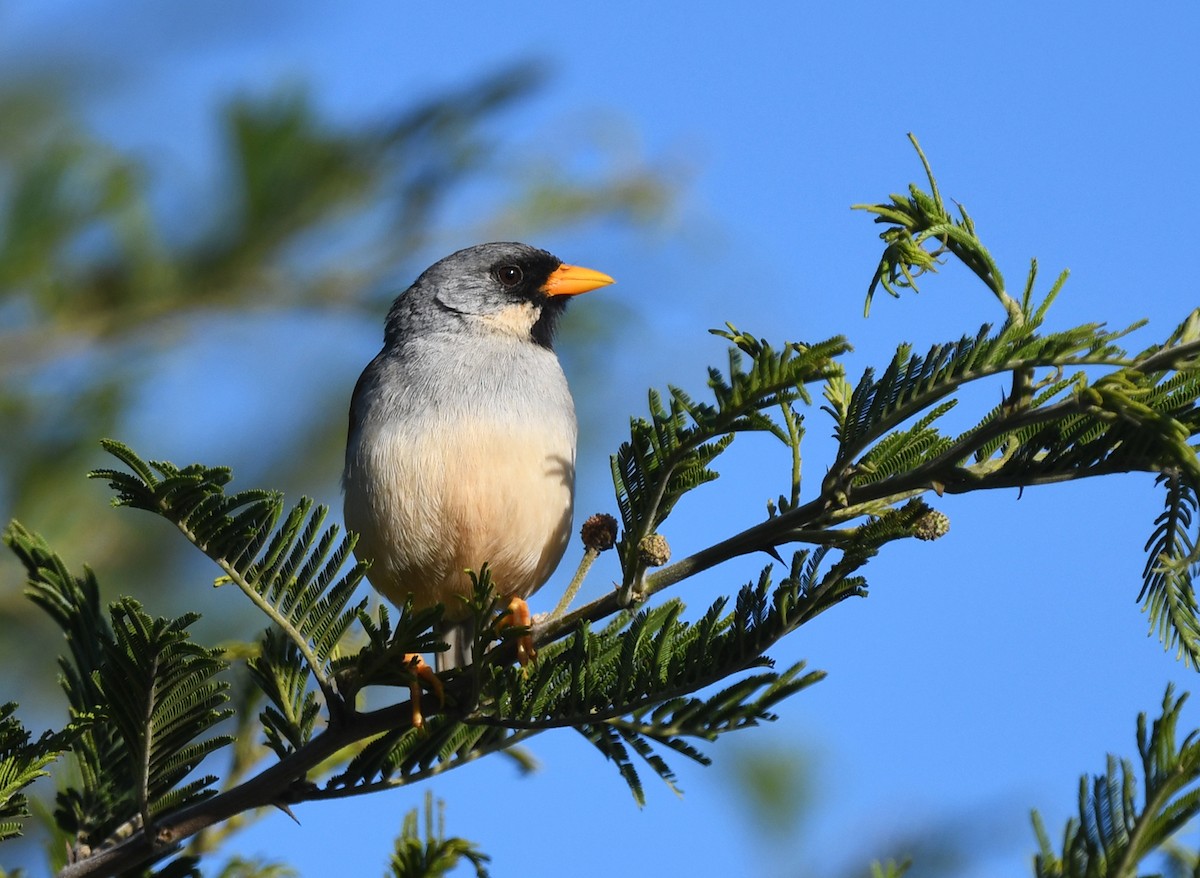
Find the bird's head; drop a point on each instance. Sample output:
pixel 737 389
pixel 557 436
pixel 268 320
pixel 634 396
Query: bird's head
pixel 504 287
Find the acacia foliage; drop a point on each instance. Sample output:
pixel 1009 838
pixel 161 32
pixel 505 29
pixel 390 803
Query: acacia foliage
pixel 630 672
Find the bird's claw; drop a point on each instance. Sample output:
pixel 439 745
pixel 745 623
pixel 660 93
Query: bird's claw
pixel 422 673
pixel 519 616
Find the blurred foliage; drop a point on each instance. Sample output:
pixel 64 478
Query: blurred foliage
pixel 777 791
pixel 108 266
pixel 432 855
pixel 1127 815
pixel 773 784
pixel 238 867
pixel 100 283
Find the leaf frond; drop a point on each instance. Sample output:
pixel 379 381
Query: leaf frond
pixel 671 452
pixel 287 565
pixel 1116 829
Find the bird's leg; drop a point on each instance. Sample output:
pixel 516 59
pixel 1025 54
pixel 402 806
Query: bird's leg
pixel 422 673
pixel 518 615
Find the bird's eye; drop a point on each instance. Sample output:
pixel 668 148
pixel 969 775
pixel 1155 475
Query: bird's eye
pixel 509 275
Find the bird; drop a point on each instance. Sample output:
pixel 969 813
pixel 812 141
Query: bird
pixel 461 440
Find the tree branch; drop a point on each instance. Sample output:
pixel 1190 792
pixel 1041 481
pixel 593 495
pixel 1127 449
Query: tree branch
pixel 269 787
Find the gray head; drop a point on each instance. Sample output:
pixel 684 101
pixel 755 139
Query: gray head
pixel 504 287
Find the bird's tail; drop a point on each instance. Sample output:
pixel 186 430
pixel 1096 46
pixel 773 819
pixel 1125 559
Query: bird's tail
pixel 461 637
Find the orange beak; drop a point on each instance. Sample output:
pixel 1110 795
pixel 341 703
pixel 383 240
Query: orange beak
pixel 571 280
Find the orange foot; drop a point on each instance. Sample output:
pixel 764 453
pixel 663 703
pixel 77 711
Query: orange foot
pixel 519 616
pixel 422 673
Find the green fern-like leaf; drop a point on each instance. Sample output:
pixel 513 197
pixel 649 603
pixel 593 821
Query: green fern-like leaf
pixel 904 450
pixel 73 603
pixel 405 755
pixel 628 687
pixel 919 221
pixel 279 671
pixel 669 724
pixel 289 569
pixel 625 688
pixel 163 697
pixel 153 689
pixel 22 761
pixel 1167 589
pixel 868 417
pixel 1001 440
pixel 101 800
pixel 609 741
pixel 433 855
pixel 909 384
pixel 671 453
pixel 1116 829
pixel 379 662
pixel 240 867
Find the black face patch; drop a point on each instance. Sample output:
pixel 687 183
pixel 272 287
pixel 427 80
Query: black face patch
pixel 524 276
pixel 543 329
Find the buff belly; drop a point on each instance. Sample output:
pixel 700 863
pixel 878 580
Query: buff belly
pixel 429 504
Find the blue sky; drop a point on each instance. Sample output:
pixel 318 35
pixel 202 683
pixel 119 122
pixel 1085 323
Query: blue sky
pixel 986 671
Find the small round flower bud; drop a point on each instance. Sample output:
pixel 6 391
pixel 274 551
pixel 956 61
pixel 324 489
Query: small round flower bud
pixel 599 532
pixel 653 550
pixel 931 525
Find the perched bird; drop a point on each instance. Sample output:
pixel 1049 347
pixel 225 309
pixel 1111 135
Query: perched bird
pixel 461 447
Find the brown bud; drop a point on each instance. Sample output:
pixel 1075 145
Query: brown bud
pixel 931 525
pixel 599 532
pixel 653 550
